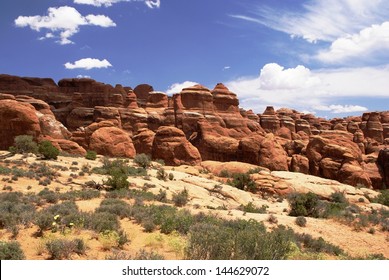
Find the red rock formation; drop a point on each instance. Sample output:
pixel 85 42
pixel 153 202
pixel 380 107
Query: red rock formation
pixel 333 155
pixel 171 146
pixel 269 120
pixel 112 141
pixel 383 163
pixel 373 128
pixel 143 141
pixel 17 118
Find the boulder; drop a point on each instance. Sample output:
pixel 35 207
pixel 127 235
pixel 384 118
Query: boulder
pixel 112 141
pixel 173 148
pixel 17 118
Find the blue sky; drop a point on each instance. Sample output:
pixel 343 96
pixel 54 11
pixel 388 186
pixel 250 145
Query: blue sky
pixel 330 57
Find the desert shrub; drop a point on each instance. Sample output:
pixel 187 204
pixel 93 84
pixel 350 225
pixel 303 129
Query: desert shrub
pixel 237 240
pixel 62 249
pixel 142 160
pixel 117 180
pixel 11 251
pixel 47 150
pixel 49 196
pixel 109 239
pixel 144 255
pixel 15 209
pixel 180 222
pixel 115 206
pixel 162 175
pixel 225 174
pixel 171 176
pixel 272 219
pixel 44 221
pixel 304 205
pixel 338 197
pixel 251 208
pixel 382 198
pixel 161 196
pixel 318 245
pixel 243 181
pixel 91 155
pixel 301 221
pixel 85 194
pixel 181 199
pixel 102 221
pixel 24 144
pixel 140 194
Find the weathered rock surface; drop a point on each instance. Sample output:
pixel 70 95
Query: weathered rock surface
pixel 112 141
pixel 171 146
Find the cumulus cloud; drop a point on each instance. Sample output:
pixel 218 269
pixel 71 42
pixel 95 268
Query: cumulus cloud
pixel 88 63
pixel 324 20
pixel 307 90
pixel 178 87
pixel 274 76
pixel 108 3
pixel 63 22
pixel 368 41
pixel 341 108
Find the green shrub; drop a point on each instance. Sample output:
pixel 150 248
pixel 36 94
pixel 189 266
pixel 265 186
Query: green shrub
pixel 251 208
pixel 142 160
pixel 91 155
pixel 301 221
pixel 304 205
pixel 115 206
pixel 383 198
pixel 15 209
pixel 117 180
pixel 162 175
pixel 62 249
pixel 243 181
pixel 11 251
pixel 144 255
pixel 181 199
pixel 102 221
pixel 47 150
pixel 171 176
pixel 225 174
pixel 240 240
pixel 25 144
pixel 161 196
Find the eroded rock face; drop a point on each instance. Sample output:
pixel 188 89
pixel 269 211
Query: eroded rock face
pixel 112 141
pixel 170 145
pixel 383 163
pixel 17 118
pixel 335 156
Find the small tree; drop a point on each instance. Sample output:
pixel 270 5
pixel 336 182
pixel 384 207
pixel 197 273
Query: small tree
pixel 47 150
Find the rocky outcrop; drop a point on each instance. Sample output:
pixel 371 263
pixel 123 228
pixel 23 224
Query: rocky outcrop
pixel 112 141
pixel 333 155
pixel 383 163
pixel 17 118
pixel 171 146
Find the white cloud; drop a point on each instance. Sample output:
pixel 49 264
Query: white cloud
pixel 63 20
pixel 368 41
pixel 274 76
pixel 83 77
pixel 225 68
pixel 324 20
pixel 153 3
pixel 341 108
pixel 108 3
pixel 303 89
pixel 178 87
pixel 99 3
pixel 88 63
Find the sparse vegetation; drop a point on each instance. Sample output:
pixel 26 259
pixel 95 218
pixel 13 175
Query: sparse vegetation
pixel 243 181
pixel 301 221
